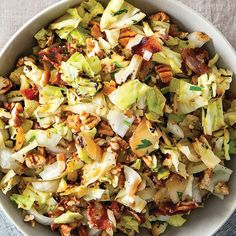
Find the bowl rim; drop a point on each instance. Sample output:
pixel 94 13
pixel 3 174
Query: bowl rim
pixel 62 2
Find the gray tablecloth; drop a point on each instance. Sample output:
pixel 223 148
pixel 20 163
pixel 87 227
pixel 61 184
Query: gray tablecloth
pixel 14 13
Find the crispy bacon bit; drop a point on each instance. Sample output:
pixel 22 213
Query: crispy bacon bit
pixel 165 73
pixel 150 44
pixel 169 208
pixel 57 80
pixel 52 55
pixel 125 35
pixel 30 93
pixel 196 59
pixel 97 216
pixel 160 16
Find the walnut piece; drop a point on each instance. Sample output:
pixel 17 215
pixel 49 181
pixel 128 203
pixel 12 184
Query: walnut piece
pixel 35 160
pixel 105 129
pixel 74 122
pixel 109 87
pixel 165 73
pixel 118 143
pixel 89 120
pixel 206 180
pixel 5 85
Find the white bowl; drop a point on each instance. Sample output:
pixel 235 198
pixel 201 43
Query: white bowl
pixel 205 221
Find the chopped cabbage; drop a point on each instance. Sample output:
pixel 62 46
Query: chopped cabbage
pixel 176 220
pixel 68 218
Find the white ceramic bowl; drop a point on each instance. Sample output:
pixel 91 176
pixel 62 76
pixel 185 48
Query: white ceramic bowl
pixel 204 222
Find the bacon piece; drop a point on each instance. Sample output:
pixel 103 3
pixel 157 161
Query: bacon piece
pixel 52 55
pixel 150 44
pixel 196 59
pixel 169 208
pixel 97 216
pixel 30 93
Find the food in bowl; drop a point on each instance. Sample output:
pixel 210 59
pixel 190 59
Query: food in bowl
pixel 116 121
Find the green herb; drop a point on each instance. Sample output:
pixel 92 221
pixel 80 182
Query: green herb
pixel 120 12
pixel 180 195
pixel 144 144
pixel 134 21
pixel 31 139
pixel 118 65
pixel 195 88
pixel 127 123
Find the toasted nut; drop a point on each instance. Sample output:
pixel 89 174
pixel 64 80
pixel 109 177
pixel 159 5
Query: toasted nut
pixel 74 122
pixel 165 73
pixel 147 160
pixel 125 35
pixel 117 143
pixel 90 44
pixel 105 129
pixel 89 120
pixel 65 230
pixel 109 87
pixel 117 169
pixel 35 160
pixel 22 60
pixel 20 138
pixel 96 31
pixel 206 180
pixel 160 16
pixel 5 85
pixel 221 188
pixel 16 119
pixel 100 141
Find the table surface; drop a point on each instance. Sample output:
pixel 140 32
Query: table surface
pixel 14 13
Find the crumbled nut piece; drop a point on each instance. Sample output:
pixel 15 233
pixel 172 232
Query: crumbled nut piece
pixel 221 188
pixel 95 30
pixel 148 160
pixel 165 73
pixel 89 120
pixel 5 85
pixel 100 141
pixel 16 119
pixel 35 160
pixel 167 161
pixel 160 16
pixel 125 35
pixel 118 143
pixel 116 170
pixel 65 230
pixel 74 122
pixel 108 68
pixel 20 138
pixel 206 180
pixel 105 129
pixel 28 218
pixel 109 87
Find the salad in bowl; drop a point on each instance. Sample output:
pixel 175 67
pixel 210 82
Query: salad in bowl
pixel 116 121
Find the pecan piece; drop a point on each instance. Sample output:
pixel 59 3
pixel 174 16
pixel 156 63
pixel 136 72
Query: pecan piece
pixel 74 122
pixel 165 73
pixel 109 87
pixel 89 120
pixel 35 160
pixel 125 35
pixel 160 16
pixel 5 85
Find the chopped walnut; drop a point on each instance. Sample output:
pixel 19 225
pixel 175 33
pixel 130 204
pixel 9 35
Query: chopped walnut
pixel 105 129
pixel 125 35
pixel 93 47
pixel 167 161
pixel 109 87
pixel 165 73
pixel 206 180
pixel 5 85
pixel 89 120
pixel 221 188
pixel 16 121
pixel 160 16
pixel 35 160
pixel 100 141
pixel 22 60
pixel 74 122
pixel 118 143
pixel 20 138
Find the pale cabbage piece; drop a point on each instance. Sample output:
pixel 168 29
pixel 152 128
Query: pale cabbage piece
pixel 169 57
pixel 147 29
pixel 188 192
pixel 120 14
pixel 68 217
pixel 132 181
pixel 42 37
pixel 174 155
pixel 132 69
pixel 186 147
pixel 113 37
pixel 176 220
pixel 197 39
pixel 40 218
pixel 175 129
pixel 128 224
pixel 207 156
pixel 119 122
pixel 46 186
pixel 137 205
pixel 145 139
pixel 128 93
pixel 134 41
pixel 213 119
pixel 93 171
pixel 24 202
pixel 230 114
pixel 9 181
pixel 7 162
